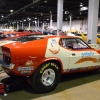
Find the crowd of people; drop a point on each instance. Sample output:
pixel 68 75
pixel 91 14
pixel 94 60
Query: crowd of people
pixel 48 31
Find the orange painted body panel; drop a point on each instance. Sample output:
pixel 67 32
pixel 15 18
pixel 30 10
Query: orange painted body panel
pixel 28 51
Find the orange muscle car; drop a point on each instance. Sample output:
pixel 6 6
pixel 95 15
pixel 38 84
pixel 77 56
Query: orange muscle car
pixel 44 58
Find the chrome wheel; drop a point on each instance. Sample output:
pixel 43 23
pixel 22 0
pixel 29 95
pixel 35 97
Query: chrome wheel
pixel 48 77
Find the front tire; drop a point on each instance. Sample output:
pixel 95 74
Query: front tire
pixel 46 77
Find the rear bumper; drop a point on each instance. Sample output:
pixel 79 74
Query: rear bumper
pixel 10 66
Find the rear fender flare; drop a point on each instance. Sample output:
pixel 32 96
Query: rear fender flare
pixel 54 59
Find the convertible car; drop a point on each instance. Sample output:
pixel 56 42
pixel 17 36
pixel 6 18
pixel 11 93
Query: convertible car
pixel 44 58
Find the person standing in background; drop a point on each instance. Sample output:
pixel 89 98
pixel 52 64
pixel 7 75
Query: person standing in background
pixel 46 31
pixel 59 32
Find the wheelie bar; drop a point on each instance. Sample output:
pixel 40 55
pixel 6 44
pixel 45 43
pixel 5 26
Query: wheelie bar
pixel 4 88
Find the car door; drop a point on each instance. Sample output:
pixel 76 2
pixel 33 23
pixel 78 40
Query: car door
pixel 55 49
pixel 83 56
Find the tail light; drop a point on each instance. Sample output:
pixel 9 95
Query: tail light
pixel 6 55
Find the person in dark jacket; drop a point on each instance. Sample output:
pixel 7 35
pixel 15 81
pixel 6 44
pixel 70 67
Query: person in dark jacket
pixel 46 31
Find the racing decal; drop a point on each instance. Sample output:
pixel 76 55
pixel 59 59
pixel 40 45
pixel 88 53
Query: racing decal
pixel 95 60
pixel 25 68
pixel 54 51
pixel 25 72
pixel 54 41
pixel 29 63
pixel 87 54
pixel 47 65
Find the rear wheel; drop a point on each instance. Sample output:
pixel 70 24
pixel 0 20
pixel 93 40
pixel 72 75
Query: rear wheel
pixel 46 77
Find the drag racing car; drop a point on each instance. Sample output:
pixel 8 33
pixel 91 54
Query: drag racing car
pixel 44 58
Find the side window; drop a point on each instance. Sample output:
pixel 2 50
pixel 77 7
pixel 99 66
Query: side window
pixel 73 43
pixel 67 43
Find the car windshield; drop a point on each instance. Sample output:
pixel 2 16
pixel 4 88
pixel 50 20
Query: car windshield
pixel 28 38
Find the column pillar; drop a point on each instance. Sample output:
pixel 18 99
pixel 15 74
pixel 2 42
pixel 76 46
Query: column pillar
pixel 38 24
pixel 17 26
pixel 29 25
pixel 60 14
pixel 50 19
pixel 22 26
pixel 42 27
pixel 70 23
pixel 92 20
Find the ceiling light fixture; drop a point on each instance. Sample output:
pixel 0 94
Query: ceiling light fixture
pixel 11 11
pixel 66 12
pixel 81 5
pixel 29 19
pixel 2 16
pixel 83 8
pixel 45 1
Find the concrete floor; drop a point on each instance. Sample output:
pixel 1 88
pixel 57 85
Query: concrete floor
pixel 79 86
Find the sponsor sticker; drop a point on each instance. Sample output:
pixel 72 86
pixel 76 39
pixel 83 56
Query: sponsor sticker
pixel 25 72
pixel 25 68
pixel 85 59
pixel 53 40
pixel 87 54
pixel 29 63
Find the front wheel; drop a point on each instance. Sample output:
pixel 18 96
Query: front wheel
pixel 46 77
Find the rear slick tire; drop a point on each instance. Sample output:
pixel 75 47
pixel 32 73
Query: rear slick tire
pixel 46 77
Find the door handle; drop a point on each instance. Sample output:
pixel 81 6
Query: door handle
pixel 73 54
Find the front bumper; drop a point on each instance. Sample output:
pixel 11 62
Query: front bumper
pixel 10 66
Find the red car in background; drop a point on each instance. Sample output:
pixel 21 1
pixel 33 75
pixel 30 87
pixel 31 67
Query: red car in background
pixel 12 35
pixel 17 34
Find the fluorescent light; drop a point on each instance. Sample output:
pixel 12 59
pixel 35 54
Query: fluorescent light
pixel 11 10
pixel 81 5
pixel 83 8
pixel 2 16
